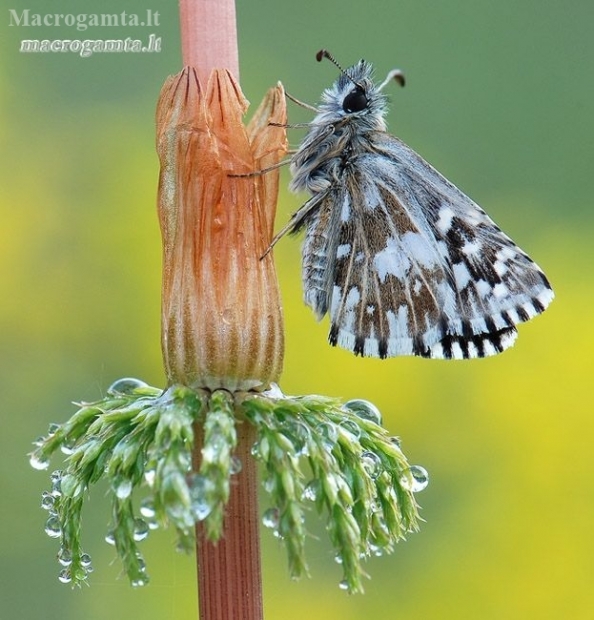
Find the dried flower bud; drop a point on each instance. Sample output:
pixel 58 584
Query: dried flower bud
pixel 221 312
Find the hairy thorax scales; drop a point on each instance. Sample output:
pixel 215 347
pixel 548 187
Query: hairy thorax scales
pixel 327 152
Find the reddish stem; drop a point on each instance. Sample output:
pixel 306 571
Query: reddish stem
pixel 229 574
pixel 209 36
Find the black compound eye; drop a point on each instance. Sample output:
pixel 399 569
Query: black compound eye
pixel 355 101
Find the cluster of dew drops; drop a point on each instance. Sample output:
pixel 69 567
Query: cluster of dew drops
pixel 49 500
pixel 414 479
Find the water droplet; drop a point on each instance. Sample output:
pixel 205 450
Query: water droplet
pixel 372 464
pixel 344 585
pixel 376 551
pixel 338 558
pixel 141 529
pixel 85 562
pixel 123 488
pixel 38 461
pixel 110 539
pixel 140 562
pixel 364 409
pixel 53 429
pixel 310 492
pixel 351 428
pixel 415 479
pixel 52 527
pixel 125 386
pixel 57 487
pixel 67 448
pixel 149 476
pixel 271 518
pixel 65 557
pixel 39 441
pixel 269 484
pixel 300 436
pixel 147 508
pixel 56 475
pixel 201 491
pixel 396 442
pixel 65 576
pixel 47 500
pixel 329 434
pixel 236 465
pixel 139 582
pixel 261 449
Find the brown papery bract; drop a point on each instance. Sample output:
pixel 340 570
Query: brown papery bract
pixel 221 312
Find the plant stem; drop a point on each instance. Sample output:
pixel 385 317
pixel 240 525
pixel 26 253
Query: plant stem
pixel 229 573
pixel 209 36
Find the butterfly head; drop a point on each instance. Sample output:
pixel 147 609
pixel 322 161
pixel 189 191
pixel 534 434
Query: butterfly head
pixel 355 94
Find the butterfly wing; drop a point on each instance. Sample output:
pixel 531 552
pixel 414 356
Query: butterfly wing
pixel 406 264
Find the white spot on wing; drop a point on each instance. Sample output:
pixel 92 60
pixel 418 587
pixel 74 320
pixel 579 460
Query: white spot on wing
pixel 418 247
pixel 343 250
pixel 461 274
pixel 345 213
pixel 444 222
pixel 391 261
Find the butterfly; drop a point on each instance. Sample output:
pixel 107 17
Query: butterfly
pixel 403 262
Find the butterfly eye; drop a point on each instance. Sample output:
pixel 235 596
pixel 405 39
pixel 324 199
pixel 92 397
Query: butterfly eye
pixel 355 101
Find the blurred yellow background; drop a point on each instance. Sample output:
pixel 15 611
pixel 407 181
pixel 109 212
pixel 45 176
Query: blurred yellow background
pixel 500 98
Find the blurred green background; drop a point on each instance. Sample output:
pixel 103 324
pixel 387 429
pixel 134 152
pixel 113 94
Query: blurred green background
pixel 499 97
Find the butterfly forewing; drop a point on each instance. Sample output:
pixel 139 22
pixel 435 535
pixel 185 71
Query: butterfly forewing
pixel 401 259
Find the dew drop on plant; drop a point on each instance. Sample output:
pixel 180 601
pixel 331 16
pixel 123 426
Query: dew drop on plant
pixel 52 527
pixel 344 585
pixel 364 409
pixel 415 479
pixel 395 441
pixel 53 429
pixel 65 557
pixel 140 562
pixel 139 582
pixel 201 490
pixel 372 464
pixel 110 539
pixel 338 558
pixel 351 428
pixel 261 449
pixel 85 562
pixel 125 386
pixel 57 487
pixel 123 488
pixel 47 500
pixel 147 508
pixel 329 434
pixel 310 492
pixel 149 476
pixel 67 448
pixel 141 529
pixel 38 462
pixel 65 576
pixel 56 475
pixel 236 465
pixel 39 441
pixel 270 518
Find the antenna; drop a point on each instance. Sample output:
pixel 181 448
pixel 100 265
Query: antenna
pixel 326 54
pixel 395 74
